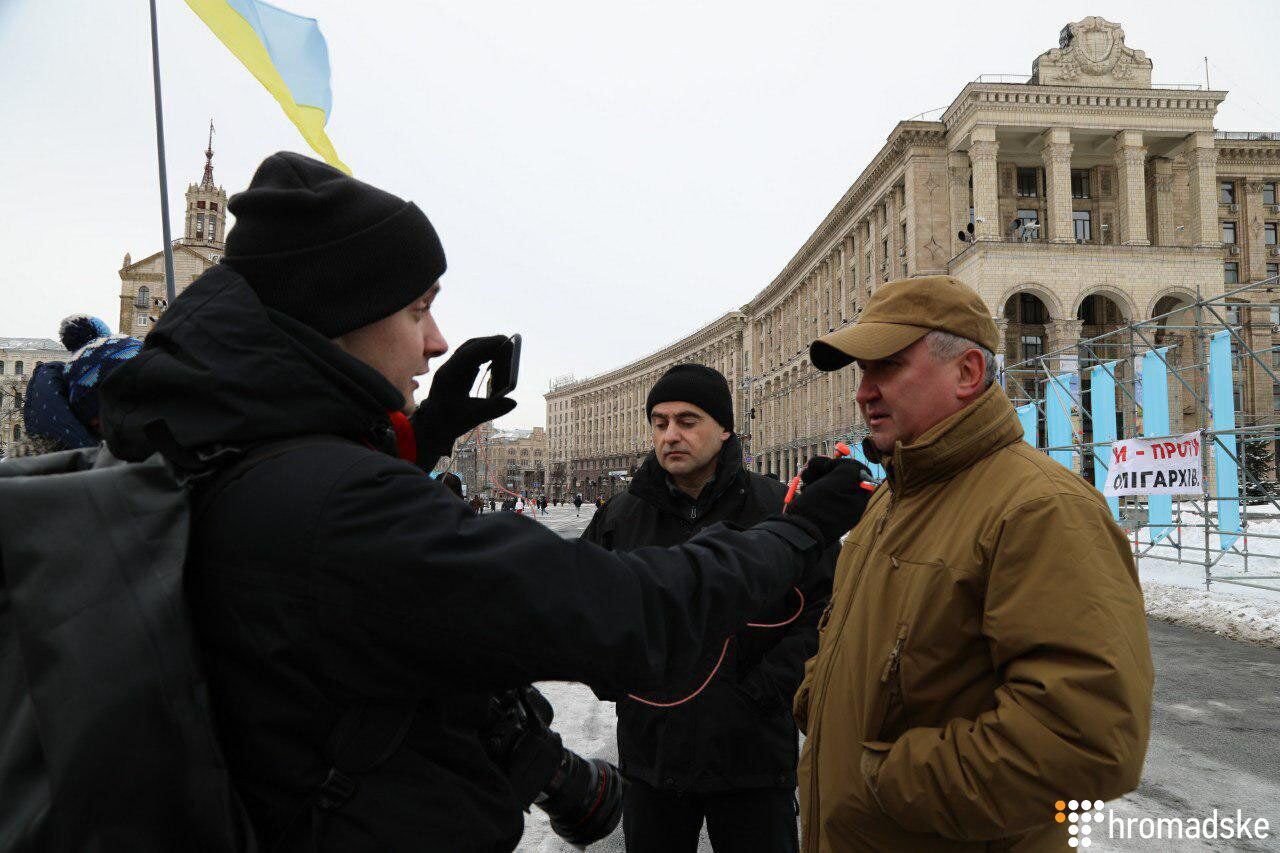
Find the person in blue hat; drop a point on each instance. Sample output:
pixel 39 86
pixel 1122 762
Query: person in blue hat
pixel 60 411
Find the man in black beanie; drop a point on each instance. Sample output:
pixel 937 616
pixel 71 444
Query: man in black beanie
pixel 728 754
pixel 354 616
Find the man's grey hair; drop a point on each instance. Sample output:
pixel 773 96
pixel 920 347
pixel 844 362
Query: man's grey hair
pixel 946 346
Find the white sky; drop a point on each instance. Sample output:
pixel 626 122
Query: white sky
pixel 606 177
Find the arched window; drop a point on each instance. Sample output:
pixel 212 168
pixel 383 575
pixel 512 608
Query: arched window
pixel 143 297
pixel 17 433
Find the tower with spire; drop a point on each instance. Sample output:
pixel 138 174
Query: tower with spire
pixel 200 247
pixel 206 213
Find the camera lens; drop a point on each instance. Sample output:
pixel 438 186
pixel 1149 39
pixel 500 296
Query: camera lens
pixel 583 799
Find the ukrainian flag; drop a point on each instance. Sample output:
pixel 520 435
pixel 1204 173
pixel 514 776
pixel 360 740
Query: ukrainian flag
pixel 288 55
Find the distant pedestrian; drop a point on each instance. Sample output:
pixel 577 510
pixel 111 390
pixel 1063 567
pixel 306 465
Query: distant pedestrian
pixel 477 505
pixel 577 505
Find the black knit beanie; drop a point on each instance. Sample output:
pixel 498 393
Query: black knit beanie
pixel 328 250
pixel 694 383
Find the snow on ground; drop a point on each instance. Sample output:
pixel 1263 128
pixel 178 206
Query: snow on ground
pixel 1175 592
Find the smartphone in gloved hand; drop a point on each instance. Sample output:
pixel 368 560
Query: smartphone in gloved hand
pixel 505 369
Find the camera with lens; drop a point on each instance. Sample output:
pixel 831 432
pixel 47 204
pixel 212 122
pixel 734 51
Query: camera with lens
pixel 582 797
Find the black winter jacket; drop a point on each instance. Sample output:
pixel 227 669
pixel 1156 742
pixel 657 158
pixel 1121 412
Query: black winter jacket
pixel 336 576
pixel 738 732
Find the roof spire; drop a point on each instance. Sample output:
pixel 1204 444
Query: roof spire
pixel 206 183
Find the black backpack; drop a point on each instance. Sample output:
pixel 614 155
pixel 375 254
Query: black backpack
pixel 107 739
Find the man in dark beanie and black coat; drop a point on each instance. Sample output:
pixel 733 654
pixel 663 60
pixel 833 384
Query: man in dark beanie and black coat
pixel 335 585
pixel 728 754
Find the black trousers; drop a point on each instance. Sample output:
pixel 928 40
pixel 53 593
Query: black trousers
pixel 752 820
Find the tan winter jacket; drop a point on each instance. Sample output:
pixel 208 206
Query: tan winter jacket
pixel 984 655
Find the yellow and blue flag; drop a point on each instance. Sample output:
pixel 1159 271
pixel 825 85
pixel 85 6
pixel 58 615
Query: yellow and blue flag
pixel 288 55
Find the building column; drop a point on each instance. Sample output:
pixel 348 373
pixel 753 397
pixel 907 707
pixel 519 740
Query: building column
pixel 983 148
pixel 1062 333
pixel 1131 200
pixel 1002 336
pixel 1162 194
pixel 958 198
pixel 1202 196
pixel 1057 173
pixel 1250 232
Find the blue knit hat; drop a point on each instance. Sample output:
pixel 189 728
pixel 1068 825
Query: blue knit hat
pixel 62 399
pixel 90 366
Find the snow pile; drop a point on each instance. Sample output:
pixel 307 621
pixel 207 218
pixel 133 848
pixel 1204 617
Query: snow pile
pixel 1236 617
pixel 1175 592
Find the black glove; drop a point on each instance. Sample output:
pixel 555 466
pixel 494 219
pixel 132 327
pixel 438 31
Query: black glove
pixel 449 410
pixel 832 499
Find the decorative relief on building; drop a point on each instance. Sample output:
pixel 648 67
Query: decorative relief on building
pixel 1092 52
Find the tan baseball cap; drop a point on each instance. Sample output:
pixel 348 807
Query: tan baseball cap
pixel 901 313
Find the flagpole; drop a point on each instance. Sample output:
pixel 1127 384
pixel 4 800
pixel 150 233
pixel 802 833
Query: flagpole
pixel 164 179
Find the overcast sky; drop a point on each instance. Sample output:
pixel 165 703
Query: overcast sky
pixel 606 176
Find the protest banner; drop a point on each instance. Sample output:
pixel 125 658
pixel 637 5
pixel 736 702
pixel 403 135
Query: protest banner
pixel 1168 465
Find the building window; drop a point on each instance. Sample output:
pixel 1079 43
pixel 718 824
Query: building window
pixel 142 299
pixel 200 204
pixel 1273 270
pixel 1032 346
pixel 1269 192
pixel 19 368
pixel 1 368
pixel 213 205
pixel 1082 220
pixel 1080 183
pixel 199 224
pixel 1229 233
pixel 1027 225
pixel 1231 273
pixel 1269 233
pixel 17 433
pixel 1227 192
pixel 1027 181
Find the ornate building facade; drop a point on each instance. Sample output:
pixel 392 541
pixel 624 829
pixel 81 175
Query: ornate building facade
pixel 1074 200
pixel 204 223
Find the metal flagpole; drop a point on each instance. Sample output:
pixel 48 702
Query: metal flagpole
pixel 164 179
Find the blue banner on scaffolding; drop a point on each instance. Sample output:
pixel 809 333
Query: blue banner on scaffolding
pixel 1057 417
pixel 1155 422
pixel 1222 403
pixel 1102 413
pixel 1030 427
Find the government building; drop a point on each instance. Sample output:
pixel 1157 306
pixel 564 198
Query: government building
pixel 203 241
pixel 1074 200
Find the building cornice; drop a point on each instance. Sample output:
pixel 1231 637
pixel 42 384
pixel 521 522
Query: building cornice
pixel 1080 100
pixel 905 135
pixel 1248 153
pixel 727 324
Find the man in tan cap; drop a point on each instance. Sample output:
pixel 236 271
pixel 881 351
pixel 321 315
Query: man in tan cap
pixel 984 660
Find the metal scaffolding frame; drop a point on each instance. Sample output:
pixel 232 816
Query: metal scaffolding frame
pixel 1187 364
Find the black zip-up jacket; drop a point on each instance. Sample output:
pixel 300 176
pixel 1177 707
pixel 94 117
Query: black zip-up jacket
pixel 336 575
pixel 738 732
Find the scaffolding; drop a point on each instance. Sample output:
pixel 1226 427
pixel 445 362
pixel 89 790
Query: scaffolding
pixel 1180 338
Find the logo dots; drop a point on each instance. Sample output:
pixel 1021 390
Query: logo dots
pixel 1080 815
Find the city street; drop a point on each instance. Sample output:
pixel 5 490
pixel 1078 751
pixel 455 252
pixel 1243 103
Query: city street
pixel 1214 739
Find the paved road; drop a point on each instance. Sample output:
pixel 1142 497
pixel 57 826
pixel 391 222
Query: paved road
pixel 1215 736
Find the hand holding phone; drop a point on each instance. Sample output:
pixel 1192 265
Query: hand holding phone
pixel 449 410
pixel 504 371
